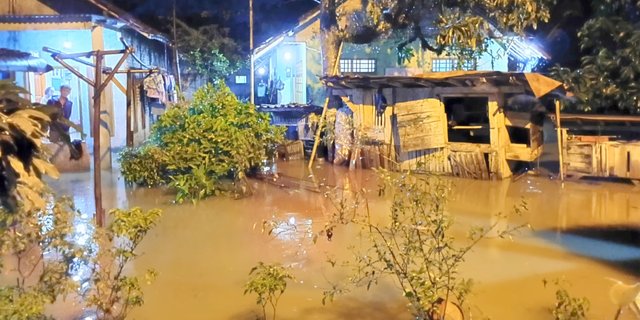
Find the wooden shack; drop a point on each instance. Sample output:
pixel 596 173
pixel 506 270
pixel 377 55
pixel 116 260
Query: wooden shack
pixel 455 123
pixel 605 146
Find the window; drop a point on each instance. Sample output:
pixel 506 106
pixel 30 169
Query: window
pixel 241 79
pixel 357 65
pixel 467 119
pixel 450 64
pixel 442 65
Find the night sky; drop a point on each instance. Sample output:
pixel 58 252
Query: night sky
pixel 271 17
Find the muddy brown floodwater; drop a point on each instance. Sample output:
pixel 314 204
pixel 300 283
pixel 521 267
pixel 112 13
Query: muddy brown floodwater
pixel 582 232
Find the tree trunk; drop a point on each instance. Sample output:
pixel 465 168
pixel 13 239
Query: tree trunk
pixel 329 36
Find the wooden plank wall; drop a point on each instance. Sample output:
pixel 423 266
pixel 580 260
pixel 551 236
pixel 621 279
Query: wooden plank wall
pixel 594 157
pixel 489 162
pixel 429 160
pixel 578 157
pixel 421 125
pixel 469 165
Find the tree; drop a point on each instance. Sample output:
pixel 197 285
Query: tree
pixel 22 160
pixel 455 26
pixel 607 79
pixel 208 51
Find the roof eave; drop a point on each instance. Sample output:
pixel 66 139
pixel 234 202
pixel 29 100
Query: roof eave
pixel 130 21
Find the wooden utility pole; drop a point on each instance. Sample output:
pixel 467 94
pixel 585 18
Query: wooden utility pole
pixel 97 155
pixel 98 84
pixel 559 133
pixel 176 56
pixel 252 75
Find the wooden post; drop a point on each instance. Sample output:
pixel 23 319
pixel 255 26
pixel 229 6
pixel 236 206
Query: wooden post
pixel 559 132
pixel 129 109
pixel 319 130
pixel 324 109
pixel 99 85
pixel 97 169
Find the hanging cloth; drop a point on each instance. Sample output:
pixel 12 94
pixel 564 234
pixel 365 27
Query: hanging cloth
pixel 154 87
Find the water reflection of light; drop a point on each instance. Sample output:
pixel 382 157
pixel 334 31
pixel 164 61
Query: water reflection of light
pixel 292 229
pixel 296 236
pixel 81 236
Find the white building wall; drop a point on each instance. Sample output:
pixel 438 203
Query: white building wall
pixel 495 58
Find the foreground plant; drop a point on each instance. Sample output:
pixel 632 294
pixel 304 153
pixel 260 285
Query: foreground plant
pixel 567 307
pixel 415 246
pixel 23 163
pixel 204 148
pixel 268 282
pixel 113 293
pixel 36 254
pixel 42 251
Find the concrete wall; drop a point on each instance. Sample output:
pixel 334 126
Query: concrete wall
pixel 495 58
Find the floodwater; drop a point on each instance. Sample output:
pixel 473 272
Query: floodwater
pixel 582 232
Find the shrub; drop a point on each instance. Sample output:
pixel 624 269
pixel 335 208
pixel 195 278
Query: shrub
pixel 567 307
pixel 113 293
pixel 268 282
pixel 142 166
pixel 196 148
pixel 36 254
pixel 415 246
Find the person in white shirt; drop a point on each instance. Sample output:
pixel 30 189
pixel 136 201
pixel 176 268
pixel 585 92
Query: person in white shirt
pixel 48 95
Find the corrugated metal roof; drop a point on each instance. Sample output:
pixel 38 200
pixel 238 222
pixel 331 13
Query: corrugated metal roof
pixel 100 9
pixel 18 61
pixel 47 18
pixel 130 20
pixel 293 107
pixel 537 83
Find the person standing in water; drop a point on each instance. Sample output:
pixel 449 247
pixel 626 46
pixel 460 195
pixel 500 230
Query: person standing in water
pixel 66 106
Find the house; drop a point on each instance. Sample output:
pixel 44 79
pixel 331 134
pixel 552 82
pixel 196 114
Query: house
pixel 75 26
pixel 464 123
pixel 288 66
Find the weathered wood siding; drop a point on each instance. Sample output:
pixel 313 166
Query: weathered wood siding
pixel 414 130
pixel 593 156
